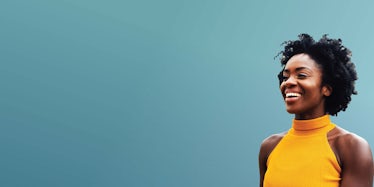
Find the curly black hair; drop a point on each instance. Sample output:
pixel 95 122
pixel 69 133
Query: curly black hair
pixel 335 61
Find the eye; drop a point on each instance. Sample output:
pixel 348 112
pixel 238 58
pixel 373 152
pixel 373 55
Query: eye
pixel 284 77
pixel 302 76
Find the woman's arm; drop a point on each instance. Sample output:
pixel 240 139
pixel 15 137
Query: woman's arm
pixel 267 147
pixel 262 158
pixel 356 161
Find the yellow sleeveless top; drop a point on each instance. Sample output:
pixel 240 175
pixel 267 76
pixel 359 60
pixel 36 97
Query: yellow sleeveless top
pixel 304 158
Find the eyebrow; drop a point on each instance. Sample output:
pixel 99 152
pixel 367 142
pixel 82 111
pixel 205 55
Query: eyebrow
pixel 297 69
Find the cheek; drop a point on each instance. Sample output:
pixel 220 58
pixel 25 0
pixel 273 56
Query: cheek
pixel 282 86
pixel 313 90
pixel 281 89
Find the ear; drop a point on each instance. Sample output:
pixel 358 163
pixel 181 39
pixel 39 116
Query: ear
pixel 326 90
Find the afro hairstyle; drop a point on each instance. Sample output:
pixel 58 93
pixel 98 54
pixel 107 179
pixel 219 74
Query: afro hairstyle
pixel 334 59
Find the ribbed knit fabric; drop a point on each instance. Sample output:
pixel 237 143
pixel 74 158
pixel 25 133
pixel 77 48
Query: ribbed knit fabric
pixel 304 158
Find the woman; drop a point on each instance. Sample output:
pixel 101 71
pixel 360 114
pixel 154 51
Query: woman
pixel 317 80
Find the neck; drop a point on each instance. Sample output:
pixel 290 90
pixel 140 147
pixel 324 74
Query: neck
pixel 309 116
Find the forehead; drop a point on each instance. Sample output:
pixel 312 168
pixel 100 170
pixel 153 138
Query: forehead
pixel 302 61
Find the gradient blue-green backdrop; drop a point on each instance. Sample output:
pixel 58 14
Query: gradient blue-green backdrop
pixel 157 93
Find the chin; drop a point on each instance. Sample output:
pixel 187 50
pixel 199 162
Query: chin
pixel 292 110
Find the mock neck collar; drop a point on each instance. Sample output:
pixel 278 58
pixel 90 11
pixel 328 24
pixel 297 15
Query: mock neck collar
pixel 311 126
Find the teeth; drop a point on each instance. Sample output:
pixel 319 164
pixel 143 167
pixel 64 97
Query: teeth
pixel 292 94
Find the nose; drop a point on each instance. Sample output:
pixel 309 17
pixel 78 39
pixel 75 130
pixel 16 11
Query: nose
pixel 289 82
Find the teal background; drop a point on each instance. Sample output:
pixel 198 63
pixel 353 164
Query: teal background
pixel 157 93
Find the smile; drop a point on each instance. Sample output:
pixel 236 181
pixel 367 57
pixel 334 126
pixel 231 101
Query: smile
pixel 289 95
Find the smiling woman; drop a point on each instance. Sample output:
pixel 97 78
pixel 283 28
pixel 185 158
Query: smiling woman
pixel 307 100
pixel 317 80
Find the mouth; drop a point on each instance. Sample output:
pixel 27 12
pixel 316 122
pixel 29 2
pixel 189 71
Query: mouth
pixel 292 97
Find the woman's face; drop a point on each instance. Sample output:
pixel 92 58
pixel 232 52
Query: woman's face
pixel 302 88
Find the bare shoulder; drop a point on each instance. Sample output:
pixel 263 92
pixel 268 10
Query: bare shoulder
pixel 270 142
pixel 267 147
pixel 356 159
pixel 275 138
pixel 347 142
